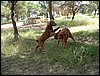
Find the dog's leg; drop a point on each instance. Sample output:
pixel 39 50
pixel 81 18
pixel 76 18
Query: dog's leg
pixel 58 43
pixel 65 41
pixel 36 47
pixel 71 36
pixel 56 29
pixel 73 39
pixel 41 48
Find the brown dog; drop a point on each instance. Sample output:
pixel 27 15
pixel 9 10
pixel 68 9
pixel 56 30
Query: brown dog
pixel 62 35
pixel 48 32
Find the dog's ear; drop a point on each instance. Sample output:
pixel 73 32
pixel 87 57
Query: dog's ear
pixel 36 40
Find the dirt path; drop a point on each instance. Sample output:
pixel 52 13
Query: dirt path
pixel 4 26
pixel 42 26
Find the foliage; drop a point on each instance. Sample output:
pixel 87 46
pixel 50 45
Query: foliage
pixel 38 8
pixel 44 7
pixel 43 4
pixel 5 10
pixel 30 5
pixel 91 7
pixel 21 9
pixel 84 8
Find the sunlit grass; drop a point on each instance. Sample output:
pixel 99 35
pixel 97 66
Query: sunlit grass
pixel 78 21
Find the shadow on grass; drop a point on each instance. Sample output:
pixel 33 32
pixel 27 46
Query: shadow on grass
pixel 20 58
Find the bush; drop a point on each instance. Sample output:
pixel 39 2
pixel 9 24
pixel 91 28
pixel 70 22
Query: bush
pixel 3 20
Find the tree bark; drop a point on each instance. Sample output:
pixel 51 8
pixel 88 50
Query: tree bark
pixel 50 10
pixel 17 18
pixel 95 13
pixel 73 15
pixel 74 10
pixel 13 20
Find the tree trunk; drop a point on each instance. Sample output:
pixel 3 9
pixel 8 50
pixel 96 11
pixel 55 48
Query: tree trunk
pixel 73 15
pixel 98 11
pixel 50 10
pixel 13 21
pixel 75 9
pixel 95 13
pixel 17 18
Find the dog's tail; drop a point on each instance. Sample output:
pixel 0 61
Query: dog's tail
pixel 56 29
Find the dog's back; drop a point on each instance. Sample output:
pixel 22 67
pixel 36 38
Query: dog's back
pixel 62 33
pixel 65 31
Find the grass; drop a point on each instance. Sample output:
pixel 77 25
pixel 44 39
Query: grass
pixel 21 58
pixel 78 21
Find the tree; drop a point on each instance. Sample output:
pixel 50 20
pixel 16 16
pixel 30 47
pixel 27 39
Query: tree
pixel 30 6
pixel 20 9
pixel 37 7
pixel 75 8
pixel 5 11
pixel 50 10
pixel 93 6
pixel 84 8
pixel 13 5
pixel 44 8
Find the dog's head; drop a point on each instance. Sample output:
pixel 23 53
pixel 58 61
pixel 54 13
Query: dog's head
pixel 51 23
pixel 58 35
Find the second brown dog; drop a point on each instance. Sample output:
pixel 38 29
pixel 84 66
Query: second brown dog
pixel 63 35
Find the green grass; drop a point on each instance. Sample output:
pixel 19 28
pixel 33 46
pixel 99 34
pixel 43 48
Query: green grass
pixel 78 21
pixel 21 58
pixel 94 34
